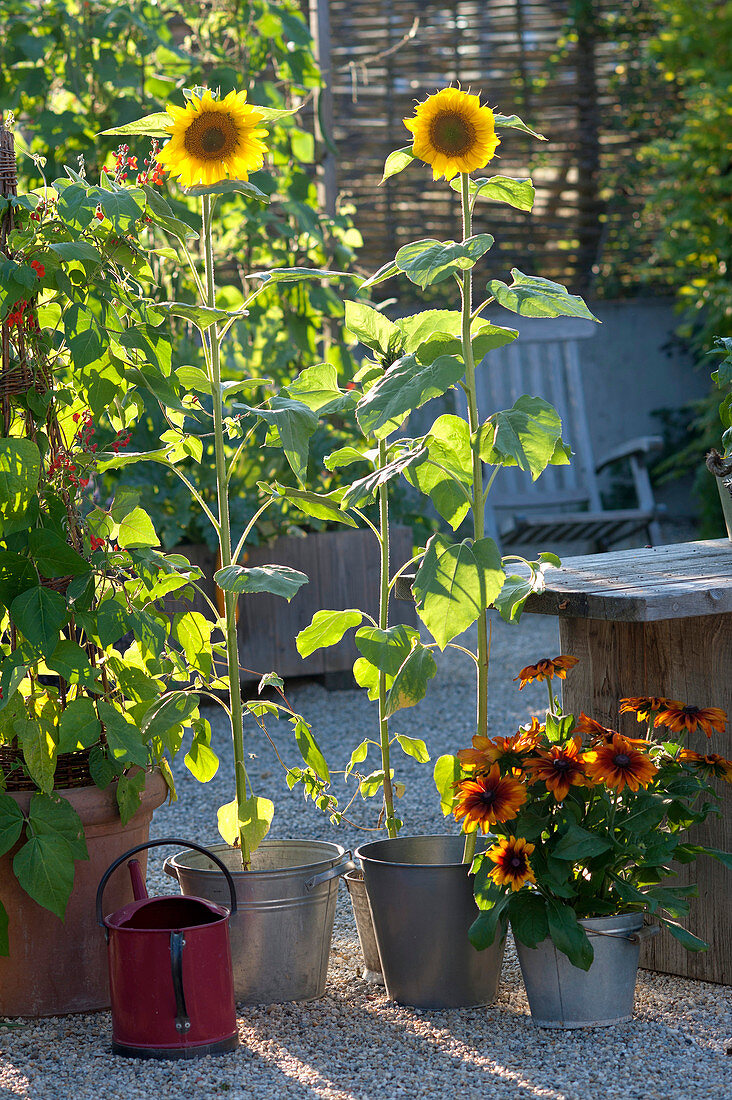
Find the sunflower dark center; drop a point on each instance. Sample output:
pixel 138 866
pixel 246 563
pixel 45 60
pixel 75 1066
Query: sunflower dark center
pixel 621 759
pixel 451 134
pixel 211 136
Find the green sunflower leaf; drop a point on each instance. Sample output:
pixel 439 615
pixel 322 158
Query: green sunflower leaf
pixel 396 162
pixel 513 122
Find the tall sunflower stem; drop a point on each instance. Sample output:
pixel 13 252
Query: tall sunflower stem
pixel 391 825
pixel 224 537
pixel 477 486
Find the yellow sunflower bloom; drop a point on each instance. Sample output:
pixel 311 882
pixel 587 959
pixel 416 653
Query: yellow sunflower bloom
pixel 213 139
pixel 453 133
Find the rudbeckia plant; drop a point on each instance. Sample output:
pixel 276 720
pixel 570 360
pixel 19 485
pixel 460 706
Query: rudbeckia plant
pixel 584 822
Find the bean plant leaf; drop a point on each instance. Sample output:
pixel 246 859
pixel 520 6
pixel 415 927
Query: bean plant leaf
pixel 78 727
pixel 129 794
pixel 20 466
pixel 531 296
pixel 124 739
pixel 526 435
pixel 406 386
pixel 429 261
pixel 326 628
pixel 137 530
pixel 278 580
pixel 39 615
pixel 11 823
pixel 410 682
pixel 44 867
pixel 53 555
pixel 36 738
pixel 72 663
pixel 455 583
pixel 518 193
pixel 51 815
pixel 396 162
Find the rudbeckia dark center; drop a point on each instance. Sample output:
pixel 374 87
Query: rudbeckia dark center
pixel 517 862
pixel 562 764
pixel 451 134
pixel 488 797
pixel 621 759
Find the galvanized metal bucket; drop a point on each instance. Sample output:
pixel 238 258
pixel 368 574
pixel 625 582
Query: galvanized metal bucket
pixel 562 995
pixel 372 972
pixel 282 929
pixel 421 899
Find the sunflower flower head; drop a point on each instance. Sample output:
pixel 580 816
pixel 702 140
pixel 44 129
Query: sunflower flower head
pixel 560 768
pixel 453 133
pixel 678 717
pixel 511 858
pixel 487 799
pixel 619 764
pixel 213 139
pixel 713 766
pixel 546 669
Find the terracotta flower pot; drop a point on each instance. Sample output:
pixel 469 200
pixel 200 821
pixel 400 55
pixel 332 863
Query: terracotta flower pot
pixel 57 967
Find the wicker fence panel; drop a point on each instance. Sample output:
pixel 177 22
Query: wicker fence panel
pixel 519 54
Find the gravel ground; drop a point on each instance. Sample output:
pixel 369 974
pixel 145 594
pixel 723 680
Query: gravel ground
pixel 353 1044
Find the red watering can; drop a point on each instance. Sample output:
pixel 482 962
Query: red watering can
pixel 170 971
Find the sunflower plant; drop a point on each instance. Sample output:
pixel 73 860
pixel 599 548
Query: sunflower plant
pixel 586 822
pixel 425 355
pixel 213 144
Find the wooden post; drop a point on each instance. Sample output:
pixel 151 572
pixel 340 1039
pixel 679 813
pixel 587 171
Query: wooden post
pixel 323 120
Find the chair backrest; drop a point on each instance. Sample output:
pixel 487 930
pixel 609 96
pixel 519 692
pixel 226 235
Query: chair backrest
pixel 543 362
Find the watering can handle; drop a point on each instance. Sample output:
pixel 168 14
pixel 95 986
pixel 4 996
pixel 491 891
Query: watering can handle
pixel 156 844
pixel 333 872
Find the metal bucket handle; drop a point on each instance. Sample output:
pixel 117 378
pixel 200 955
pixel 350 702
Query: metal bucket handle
pixel 637 936
pixel 156 844
pixel 332 872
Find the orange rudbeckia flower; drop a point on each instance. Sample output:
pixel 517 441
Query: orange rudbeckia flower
pixel 511 858
pixel 677 717
pixel 560 768
pixel 488 799
pixel 546 669
pixel 507 751
pixel 643 706
pixel 619 765
pixel 712 765
pixel 603 735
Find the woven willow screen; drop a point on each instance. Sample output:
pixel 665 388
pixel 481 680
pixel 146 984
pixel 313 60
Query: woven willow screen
pixel 570 78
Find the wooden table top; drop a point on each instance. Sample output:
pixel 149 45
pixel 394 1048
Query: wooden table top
pixel 680 581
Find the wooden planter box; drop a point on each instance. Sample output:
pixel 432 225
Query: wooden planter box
pixel 343 571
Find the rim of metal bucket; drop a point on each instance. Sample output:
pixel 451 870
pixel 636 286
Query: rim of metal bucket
pixel 358 854
pixel 218 844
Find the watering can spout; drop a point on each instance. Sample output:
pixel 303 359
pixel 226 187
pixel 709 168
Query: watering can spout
pixel 138 883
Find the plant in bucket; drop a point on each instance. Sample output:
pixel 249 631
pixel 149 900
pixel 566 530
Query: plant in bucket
pixel 582 855
pixel 286 889
pixel 86 653
pixel 419 888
